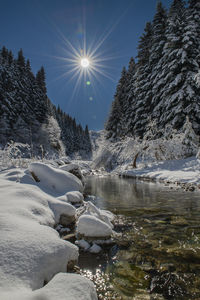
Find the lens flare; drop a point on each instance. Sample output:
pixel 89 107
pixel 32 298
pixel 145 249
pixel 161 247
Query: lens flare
pixel 85 63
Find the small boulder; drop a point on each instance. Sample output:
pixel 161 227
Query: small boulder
pixel 91 227
pixel 73 169
pixel 95 249
pixel 66 219
pixel 74 197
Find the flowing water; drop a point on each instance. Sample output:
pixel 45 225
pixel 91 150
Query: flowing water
pixel 158 255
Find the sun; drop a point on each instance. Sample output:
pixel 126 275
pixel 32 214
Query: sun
pixel 85 63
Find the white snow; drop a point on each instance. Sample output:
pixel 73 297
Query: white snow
pixel 60 207
pixel 83 244
pixel 57 180
pixel 95 249
pixel 69 167
pixel 182 170
pixel 91 226
pixel 31 250
pixel 103 215
pixel 74 197
pixel 63 286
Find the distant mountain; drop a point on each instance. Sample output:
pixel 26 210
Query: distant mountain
pixel 158 94
pixel 28 116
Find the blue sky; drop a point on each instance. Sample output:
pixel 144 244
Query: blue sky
pixel 41 28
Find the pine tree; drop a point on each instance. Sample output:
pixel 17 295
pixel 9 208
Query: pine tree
pixel 40 78
pixel 130 97
pixel 114 123
pixel 156 56
pixel 27 114
pixel 142 84
pixel 21 60
pixel 170 106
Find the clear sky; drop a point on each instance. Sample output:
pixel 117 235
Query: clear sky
pixel 45 29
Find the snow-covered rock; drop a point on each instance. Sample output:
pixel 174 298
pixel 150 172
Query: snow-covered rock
pixel 90 226
pixel 73 169
pixel 74 197
pixel 56 180
pixel 103 215
pixel 95 249
pixel 64 212
pixel 62 287
pixel 83 244
pixel 32 252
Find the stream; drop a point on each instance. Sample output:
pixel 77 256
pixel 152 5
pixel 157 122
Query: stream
pixel 158 254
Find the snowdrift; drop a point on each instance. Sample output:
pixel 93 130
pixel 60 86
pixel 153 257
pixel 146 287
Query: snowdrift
pixel 32 252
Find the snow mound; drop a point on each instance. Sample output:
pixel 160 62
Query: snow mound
pixel 91 226
pixel 103 215
pixel 31 251
pixel 56 180
pixel 61 208
pixel 74 197
pixel 62 287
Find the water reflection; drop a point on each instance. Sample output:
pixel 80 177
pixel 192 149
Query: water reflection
pixel 125 195
pixel 162 259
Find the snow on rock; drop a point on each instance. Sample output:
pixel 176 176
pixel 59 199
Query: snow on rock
pixel 31 251
pixel 83 244
pixel 74 197
pixel 63 211
pixel 56 180
pixel 103 215
pixel 90 226
pixel 68 287
pixel 62 287
pixel 73 169
pixel 95 249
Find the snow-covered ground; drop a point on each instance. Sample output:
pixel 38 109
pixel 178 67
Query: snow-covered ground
pixel 175 171
pixel 161 159
pixel 32 253
pixel 34 196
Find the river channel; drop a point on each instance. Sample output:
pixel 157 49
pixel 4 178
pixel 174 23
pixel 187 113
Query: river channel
pixel 158 254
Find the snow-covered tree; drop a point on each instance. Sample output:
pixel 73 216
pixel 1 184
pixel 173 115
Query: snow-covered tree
pixel 27 114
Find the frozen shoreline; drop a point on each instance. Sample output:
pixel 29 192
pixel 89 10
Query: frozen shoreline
pixel 184 173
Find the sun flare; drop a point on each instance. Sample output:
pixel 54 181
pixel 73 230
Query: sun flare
pixel 85 63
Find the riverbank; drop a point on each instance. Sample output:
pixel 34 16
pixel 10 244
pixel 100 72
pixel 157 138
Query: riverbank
pixel 34 259
pixel 183 173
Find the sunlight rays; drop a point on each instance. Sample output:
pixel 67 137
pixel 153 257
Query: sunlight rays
pixel 87 64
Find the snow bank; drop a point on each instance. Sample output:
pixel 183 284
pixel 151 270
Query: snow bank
pixel 183 170
pixel 56 180
pixel 31 250
pixel 62 287
pixel 116 154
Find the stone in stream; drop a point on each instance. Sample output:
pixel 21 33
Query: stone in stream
pixel 74 169
pixel 90 227
pixel 74 197
pixel 66 220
